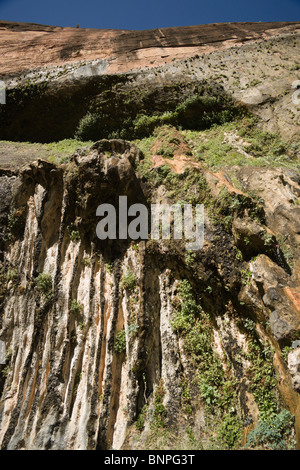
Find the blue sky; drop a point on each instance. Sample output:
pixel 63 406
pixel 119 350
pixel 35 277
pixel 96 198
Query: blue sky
pixel 140 14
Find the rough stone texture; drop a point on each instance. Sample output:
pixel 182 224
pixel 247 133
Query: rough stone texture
pixel 249 235
pixel 66 387
pixel 121 50
pixel 282 324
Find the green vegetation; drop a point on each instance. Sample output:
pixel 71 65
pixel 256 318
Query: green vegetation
pixel 128 281
pixel 120 342
pixel 186 398
pixel 195 112
pixel 191 187
pixel 109 267
pixel 160 412
pixel 7 275
pixel 246 276
pixel 262 144
pixel 286 250
pixel 76 308
pixel 61 151
pixel 188 187
pixel 184 317
pixel 134 113
pixel 205 125
pixel 168 140
pixel 230 430
pixel 212 149
pixel 215 150
pixel 140 422
pixel 121 337
pixel 190 258
pixel 87 261
pixel 165 439
pixel 55 152
pixel 73 233
pixel 21 94
pixel 5 371
pixel 226 205
pixel 217 388
pixel 44 284
pixel 16 223
pixel 268 239
pixel 274 433
pixel 87 127
pixel 262 377
pixel 145 125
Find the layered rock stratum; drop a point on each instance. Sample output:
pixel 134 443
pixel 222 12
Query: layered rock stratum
pixel 25 46
pixel 143 344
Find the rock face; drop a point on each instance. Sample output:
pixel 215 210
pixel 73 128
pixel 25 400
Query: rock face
pixel 121 50
pixel 294 366
pixel 98 350
pixel 134 344
pixel 116 80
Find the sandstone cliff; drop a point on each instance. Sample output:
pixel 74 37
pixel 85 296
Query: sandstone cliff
pixel 121 50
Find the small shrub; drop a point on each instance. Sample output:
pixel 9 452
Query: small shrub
pixel 44 284
pixel 16 223
pixel 186 398
pixel 109 267
pixel 262 376
pixel 184 316
pixel 190 258
pixel 246 276
pixel 230 430
pixel 5 371
pixel 268 239
pixel 145 125
pixel 209 393
pixel 140 423
pixel 87 127
pixel 87 261
pixel 128 281
pixel 250 325
pixel 13 275
pixel 160 412
pixel 73 234
pixel 274 433
pixel 63 149
pixel 120 342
